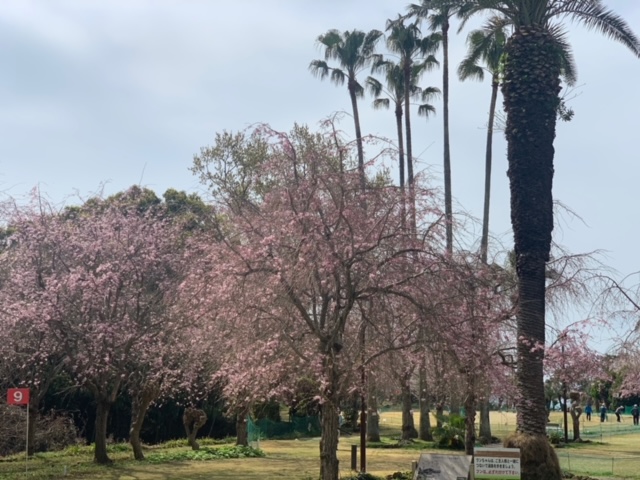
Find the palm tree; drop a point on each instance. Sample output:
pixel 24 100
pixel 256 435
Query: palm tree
pixel 530 89
pixel 486 46
pixel 394 91
pixel 353 50
pixel 407 42
pixel 438 19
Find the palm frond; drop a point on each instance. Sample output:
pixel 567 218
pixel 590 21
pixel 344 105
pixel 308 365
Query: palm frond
pixel 319 68
pixel 470 70
pixel 431 43
pixel 426 110
pixel 485 45
pixel 427 65
pixel 379 103
pixel 374 86
pixel 338 76
pixel 430 93
pixel 568 69
pixel 594 15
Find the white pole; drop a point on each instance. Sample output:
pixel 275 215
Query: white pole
pixel 26 455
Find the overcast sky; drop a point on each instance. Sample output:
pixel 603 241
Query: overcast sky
pixel 125 92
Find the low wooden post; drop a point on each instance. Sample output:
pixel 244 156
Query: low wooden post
pixel 354 457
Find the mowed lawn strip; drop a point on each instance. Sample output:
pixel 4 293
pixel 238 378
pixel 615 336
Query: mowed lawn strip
pixel 299 459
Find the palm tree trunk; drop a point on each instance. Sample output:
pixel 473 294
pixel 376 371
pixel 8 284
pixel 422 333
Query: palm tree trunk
pixel 401 162
pixel 407 132
pixel 407 121
pixel 400 143
pixel 484 241
pixel 448 205
pixel 356 121
pixel 530 89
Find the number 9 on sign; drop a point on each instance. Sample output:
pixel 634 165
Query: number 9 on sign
pixel 18 396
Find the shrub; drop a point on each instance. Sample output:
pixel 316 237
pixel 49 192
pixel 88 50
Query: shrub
pixel 205 454
pixel 363 476
pixel 451 434
pixel 53 431
pixel 400 476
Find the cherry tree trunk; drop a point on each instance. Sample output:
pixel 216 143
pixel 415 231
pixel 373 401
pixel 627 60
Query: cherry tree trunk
pixel 485 421
pixel 139 408
pixel 193 419
pixel 329 421
pixel 102 416
pixel 373 416
pixel 424 429
pixel 242 430
pixel 439 414
pixel 329 442
pixel 353 413
pixel 470 423
pixel 408 426
pixel 576 412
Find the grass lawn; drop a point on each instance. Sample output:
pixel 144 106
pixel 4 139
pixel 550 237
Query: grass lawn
pixel 609 455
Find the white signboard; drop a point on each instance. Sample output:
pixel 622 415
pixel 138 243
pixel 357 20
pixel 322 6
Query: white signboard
pixel 442 467
pixel 497 463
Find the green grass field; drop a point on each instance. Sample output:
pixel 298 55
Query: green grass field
pixel 614 453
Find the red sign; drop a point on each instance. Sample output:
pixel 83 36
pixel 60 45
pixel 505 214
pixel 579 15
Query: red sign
pixel 18 396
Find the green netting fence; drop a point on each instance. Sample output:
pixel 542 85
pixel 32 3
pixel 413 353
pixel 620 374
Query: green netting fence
pixel 268 429
pixel 601 466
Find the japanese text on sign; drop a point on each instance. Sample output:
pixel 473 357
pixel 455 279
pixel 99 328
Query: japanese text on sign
pixel 497 463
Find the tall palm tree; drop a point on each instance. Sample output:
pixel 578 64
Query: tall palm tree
pixel 353 50
pixel 392 92
pixel 412 49
pixel 438 18
pixel 486 48
pixel 530 89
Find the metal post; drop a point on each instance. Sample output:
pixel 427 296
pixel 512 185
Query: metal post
pixel 564 394
pixel 566 425
pixel 26 453
pixel 354 457
pixel 363 402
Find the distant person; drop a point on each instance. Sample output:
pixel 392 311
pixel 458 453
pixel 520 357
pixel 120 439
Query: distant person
pixel 587 411
pixel 619 411
pixel 603 412
pixel 635 413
